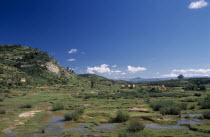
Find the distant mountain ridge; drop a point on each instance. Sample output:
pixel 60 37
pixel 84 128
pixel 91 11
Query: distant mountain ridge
pixel 139 79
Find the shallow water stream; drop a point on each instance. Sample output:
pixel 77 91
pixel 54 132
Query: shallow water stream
pixel 57 125
pixel 193 120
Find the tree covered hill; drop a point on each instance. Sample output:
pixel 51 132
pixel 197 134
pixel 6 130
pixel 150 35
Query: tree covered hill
pixel 24 65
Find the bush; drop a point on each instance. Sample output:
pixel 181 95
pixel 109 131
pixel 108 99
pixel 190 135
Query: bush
pixel 80 110
pixel 72 116
pixel 167 107
pixel 170 110
pixel 75 115
pixel 135 126
pixel 158 104
pixel 26 106
pixel 2 111
pixel 206 114
pixel 121 116
pixel 205 103
pixel 197 94
pixel 57 107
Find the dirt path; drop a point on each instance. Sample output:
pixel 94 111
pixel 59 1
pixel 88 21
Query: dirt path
pixel 29 113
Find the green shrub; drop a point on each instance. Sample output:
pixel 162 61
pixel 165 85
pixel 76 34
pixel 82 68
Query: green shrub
pixel 26 106
pixel 197 94
pixel 158 104
pixel 167 107
pixel 206 114
pixel 170 110
pixel 121 116
pixel 72 116
pixel 80 110
pixel 205 102
pixel 135 126
pixel 75 115
pixel 57 107
pixel 2 111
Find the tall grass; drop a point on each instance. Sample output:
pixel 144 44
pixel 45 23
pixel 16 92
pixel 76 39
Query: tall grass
pixel 75 115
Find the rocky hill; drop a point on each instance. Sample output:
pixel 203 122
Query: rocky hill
pixel 24 65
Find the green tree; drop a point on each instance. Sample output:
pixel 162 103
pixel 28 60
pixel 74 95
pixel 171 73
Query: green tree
pixel 180 77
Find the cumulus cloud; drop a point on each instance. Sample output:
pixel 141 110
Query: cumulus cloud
pixel 71 59
pixel 135 69
pixel 101 69
pixel 73 51
pixel 198 4
pixel 114 66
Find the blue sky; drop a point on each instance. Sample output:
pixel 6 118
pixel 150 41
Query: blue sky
pixel 114 38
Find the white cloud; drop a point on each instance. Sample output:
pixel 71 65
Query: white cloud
pixel 196 75
pixel 189 73
pixel 71 59
pixel 101 69
pixel 116 71
pixel 198 4
pixel 135 69
pixel 191 70
pixel 123 73
pixel 172 75
pixel 73 51
pixel 114 66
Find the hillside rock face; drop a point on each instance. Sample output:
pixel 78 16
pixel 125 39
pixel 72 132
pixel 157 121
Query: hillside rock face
pixel 53 68
pixel 37 67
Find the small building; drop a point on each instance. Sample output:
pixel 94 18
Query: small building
pixel 162 87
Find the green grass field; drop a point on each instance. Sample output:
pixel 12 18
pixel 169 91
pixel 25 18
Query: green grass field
pixel 98 111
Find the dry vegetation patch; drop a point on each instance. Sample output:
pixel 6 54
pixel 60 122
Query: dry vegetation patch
pixel 29 113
